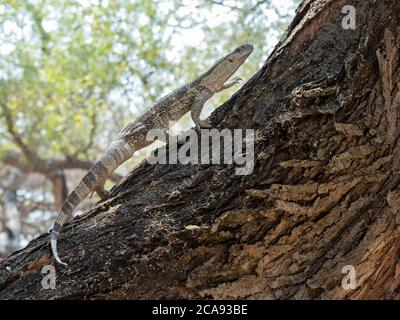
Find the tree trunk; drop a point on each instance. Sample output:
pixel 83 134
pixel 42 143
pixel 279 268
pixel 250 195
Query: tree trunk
pixel 324 197
pixel 11 215
pixel 60 189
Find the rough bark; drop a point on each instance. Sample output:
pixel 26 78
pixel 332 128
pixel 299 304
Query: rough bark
pixel 324 192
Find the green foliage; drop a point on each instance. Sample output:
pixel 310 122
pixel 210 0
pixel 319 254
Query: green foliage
pixel 72 72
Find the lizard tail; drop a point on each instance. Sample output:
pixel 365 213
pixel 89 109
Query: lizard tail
pixel 117 154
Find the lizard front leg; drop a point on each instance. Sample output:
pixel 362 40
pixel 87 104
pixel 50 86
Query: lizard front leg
pixel 202 97
pixel 197 107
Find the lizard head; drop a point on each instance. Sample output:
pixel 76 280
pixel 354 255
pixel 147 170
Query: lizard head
pixel 224 68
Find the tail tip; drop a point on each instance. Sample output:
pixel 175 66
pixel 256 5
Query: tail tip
pixel 53 243
pixel 62 263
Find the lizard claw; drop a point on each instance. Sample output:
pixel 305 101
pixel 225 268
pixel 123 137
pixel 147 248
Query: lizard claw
pixel 237 80
pixel 205 124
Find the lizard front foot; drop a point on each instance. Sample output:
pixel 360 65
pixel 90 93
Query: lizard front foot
pixel 236 80
pixel 231 83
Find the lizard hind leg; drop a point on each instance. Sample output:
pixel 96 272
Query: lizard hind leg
pixel 112 159
pixel 102 192
pixel 197 107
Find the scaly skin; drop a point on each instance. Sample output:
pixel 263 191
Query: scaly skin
pixel 190 97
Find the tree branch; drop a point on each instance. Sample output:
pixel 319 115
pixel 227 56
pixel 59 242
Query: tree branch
pixel 45 167
pixel 28 153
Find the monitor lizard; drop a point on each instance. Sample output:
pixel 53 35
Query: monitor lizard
pixel 190 97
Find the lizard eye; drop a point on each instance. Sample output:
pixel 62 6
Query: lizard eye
pixel 230 60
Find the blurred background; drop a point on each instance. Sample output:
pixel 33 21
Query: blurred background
pixel 74 72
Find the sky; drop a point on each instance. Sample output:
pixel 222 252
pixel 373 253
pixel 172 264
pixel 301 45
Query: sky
pixel 192 37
